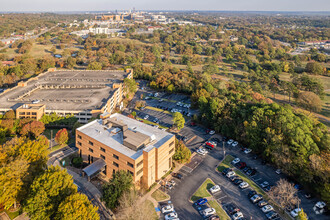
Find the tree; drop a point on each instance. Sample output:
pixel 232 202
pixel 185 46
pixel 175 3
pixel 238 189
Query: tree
pixel 47 192
pixel 284 193
pixel 182 153
pixel 94 66
pixel 130 85
pixel 62 136
pixel 310 101
pixel 77 206
pixel 302 215
pixel 133 114
pixel 35 128
pixel 9 115
pixel 314 68
pixel 121 181
pixel 12 176
pixel 178 120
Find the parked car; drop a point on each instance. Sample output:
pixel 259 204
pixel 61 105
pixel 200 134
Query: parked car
pixel 236 160
pixel 235 144
pixel 247 151
pixel 243 185
pixel 211 144
pixel 252 193
pixel 264 184
pixel 202 151
pixel 268 188
pixel 146 117
pixel 237 215
pixel 232 209
pixel 233 178
pixel 249 172
pixel 262 203
pixel 209 211
pixel 214 217
pixel 230 141
pixel 256 198
pixel 278 171
pixel 167 208
pixel 271 215
pixel 238 181
pixel 178 175
pixel 241 165
pixel 267 208
pixel 36 101
pixel 201 201
pixel 253 172
pixel 245 169
pixel 215 189
pixel 294 213
pixel 226 170
pixel 192 123
pixel 171 216
pixel 231 173
pixel 212 132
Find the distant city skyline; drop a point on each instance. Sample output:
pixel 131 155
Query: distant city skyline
pixel 220 5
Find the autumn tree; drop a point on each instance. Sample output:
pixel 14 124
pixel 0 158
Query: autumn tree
pixel 77 206
pixel 62 136
pixel 302 215
pixel 178 120
pixel 284 193
pixel 35 128
pixel 310 101
pixel 47 192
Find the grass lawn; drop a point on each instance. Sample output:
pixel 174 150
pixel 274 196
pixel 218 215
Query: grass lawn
pixel 159 195
pixel 202 191
pixel 220 212
pixel 225 163
pixel 150 123
pixel 12 215
pixel 151 209
pixel 56 147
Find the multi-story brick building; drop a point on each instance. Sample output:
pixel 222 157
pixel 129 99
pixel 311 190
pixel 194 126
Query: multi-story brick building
pixel 117 142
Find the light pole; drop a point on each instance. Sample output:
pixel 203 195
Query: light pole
pixel 223 147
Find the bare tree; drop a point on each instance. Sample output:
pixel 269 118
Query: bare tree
pixel 285 194
pixel 131 209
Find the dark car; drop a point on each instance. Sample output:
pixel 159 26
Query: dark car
pixel 233 178
pixel 201 201
pixel 238 181
pixel 271 215
pixel 226 170
pixel 246 169
pixel 254 172
pixel 215 140
pixel 268 188
pixel 224 138
pixel 252 193
pixel 241 165
pixel 178 175
pixel 232 209
pixel 262 203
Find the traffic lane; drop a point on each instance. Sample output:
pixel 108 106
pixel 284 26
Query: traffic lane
pixel 267 173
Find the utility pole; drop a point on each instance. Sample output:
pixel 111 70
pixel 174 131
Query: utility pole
pixel 51 139
pixel 223 147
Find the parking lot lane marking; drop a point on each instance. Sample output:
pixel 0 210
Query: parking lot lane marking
pixel 257 179
pixel 221 198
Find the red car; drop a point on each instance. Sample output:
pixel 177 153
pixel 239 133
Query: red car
pixel 210 144
pixel 241 165
pixel 193 124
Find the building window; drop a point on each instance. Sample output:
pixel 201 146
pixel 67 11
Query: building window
pixel 91 143
pixel 130 172
pixel 28 113
pixel 130 165
pixel 103 157
pixel 140 163
pixel 115 156
pixel 79 143
pixel 171 151
pixel 91 150
pixel 139 172
pixel 171 144
pixel 115 164
pixel 102 149
pixel 79 136
pixel 105 170
pixel 34 113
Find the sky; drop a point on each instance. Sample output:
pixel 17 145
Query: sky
pixel 221 5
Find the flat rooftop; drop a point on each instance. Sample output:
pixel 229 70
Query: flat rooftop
pixel 113 138
pixel 65 90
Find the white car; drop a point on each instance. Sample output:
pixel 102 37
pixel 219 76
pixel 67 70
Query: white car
pixel 167 208
pixel 35 101
pixel 294 213
pixel 208 212
pixel 267 208
pixel 202 151
pixel 231 173
pixel 264 184
pixel 179 103
pixel 235 144
pixel 171 216
pixel 238 215
pixel 212 132
pixel 230 141
pixel 320 204
pixel 247 151
pixel 243 185
pixel 146 117
pixel 215 189
pixel 278 171
pixel 236 160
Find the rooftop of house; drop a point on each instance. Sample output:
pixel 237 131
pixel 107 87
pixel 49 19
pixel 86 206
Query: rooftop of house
pixel 126 135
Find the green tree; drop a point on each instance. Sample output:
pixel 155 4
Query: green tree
pixel 62 136
pixel 94 66
pixel 77 206
pixel 121 181
pixel 182 153
pixel 178 120
pixel 47 192
pixel 130 85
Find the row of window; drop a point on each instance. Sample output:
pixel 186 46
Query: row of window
pixel 27 113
